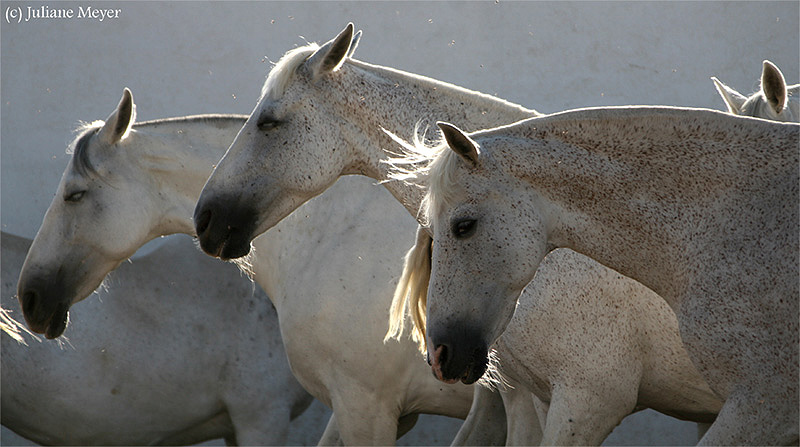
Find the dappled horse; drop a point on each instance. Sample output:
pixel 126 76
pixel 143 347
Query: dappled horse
pixel 520 352
pixel 128 183
pixel 698 205
pixel 144 363
pixel 774 101
pixel 320 117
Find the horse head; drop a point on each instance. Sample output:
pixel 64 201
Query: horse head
pixel 82 236
pixel 289 134
pixel 484 227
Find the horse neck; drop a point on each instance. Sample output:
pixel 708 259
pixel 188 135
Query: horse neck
pixel 650 203
pixel 373 98
pixel 179 155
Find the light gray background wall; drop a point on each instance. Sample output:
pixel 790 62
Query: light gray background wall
pixel 206 57
pixel 197 57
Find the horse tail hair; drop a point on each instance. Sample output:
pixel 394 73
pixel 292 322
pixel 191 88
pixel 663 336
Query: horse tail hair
pixel 412 291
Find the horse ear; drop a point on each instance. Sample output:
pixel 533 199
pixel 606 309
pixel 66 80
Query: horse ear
pixel 354 44
pixel 460 142
pixel 120 121
pixel 773 85
pixel 330 56
pixel 733 99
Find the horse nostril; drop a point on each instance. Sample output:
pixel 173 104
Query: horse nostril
pixel 201 225
pixel 29 300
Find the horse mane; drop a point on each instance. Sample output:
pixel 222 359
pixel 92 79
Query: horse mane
pixel 79 149
pixel 411 294
pixel 279 76
pixel 429 166
pixel 203 118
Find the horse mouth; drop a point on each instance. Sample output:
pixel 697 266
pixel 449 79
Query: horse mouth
pixel 51 326
pixel 228 249
pixel 470 376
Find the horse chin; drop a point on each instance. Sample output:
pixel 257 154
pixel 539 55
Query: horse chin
pixel 474 373
pixel 469 377
pixel 234 248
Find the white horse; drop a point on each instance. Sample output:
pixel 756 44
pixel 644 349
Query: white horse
pixel 520 352
pixel 699 205
pixel 145 363
pixel 320 117
pixel 775 100
pixel 127 184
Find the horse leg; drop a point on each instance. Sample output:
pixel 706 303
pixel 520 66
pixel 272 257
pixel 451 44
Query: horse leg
pixel 755 416
pixel 485 423
pixel 364 420
pixel 586 417
pixel 331 435
pixel 524 427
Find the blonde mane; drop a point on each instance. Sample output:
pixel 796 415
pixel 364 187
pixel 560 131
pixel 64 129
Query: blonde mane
pixel 428 165
pixel 431 167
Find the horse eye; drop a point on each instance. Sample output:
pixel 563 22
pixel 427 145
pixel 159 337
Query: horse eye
pixel 267 122
pixel 464 228
pixel 75 196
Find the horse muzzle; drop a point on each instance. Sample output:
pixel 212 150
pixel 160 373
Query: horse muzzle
pixel 459 358
pixel 224 230
pixel 43 306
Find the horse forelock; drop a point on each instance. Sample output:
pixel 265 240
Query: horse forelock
pixel 281 74
pixel 427 164
pixel 79 150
